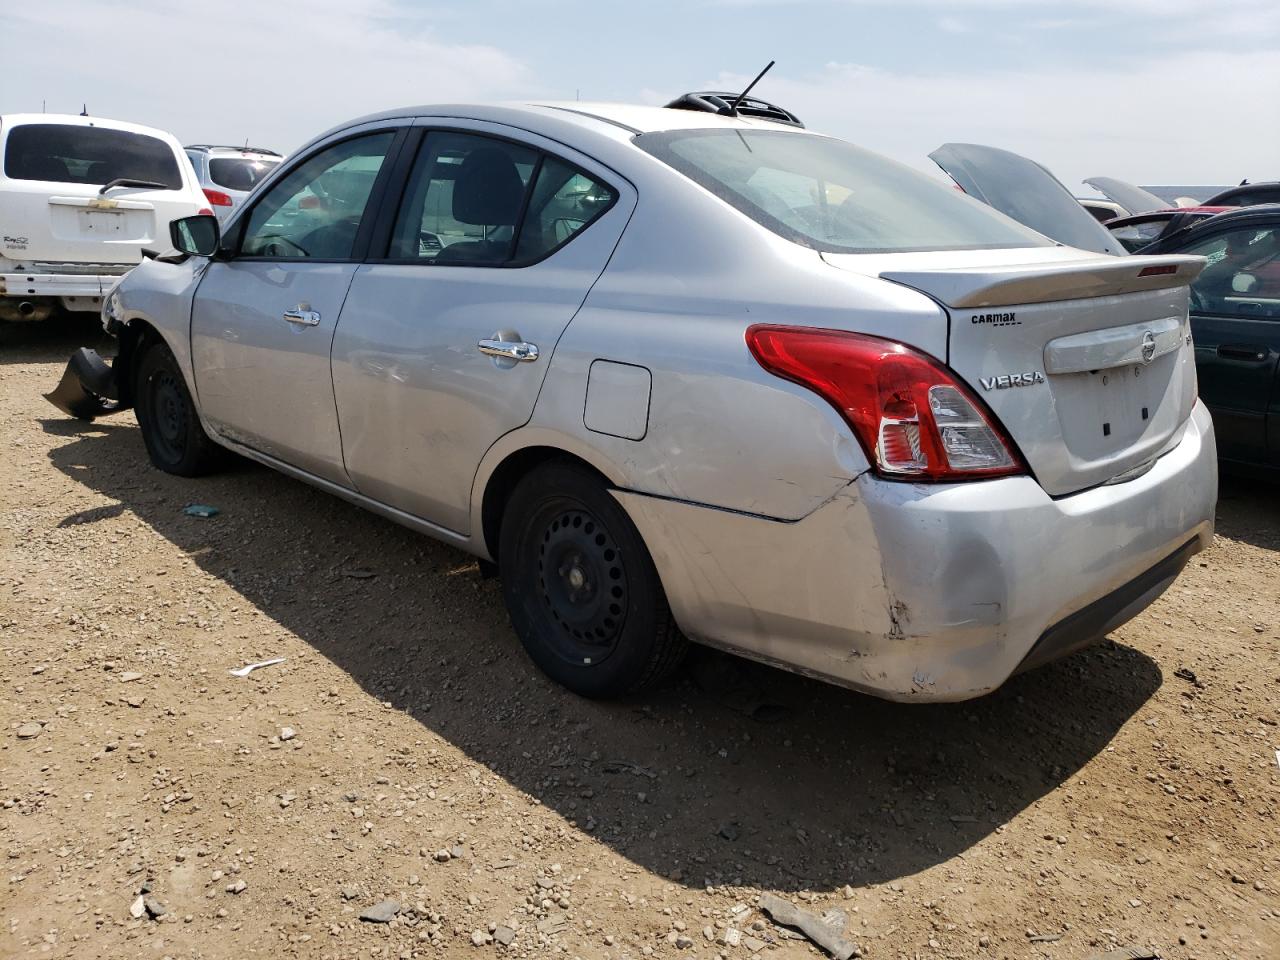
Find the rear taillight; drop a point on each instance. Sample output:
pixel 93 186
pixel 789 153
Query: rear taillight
pixel 204 212
pixel 915 420
pixel 217 198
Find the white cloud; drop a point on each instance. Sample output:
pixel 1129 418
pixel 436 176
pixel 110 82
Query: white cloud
pixel 274 73
pixel 952 25
pixel 1191 119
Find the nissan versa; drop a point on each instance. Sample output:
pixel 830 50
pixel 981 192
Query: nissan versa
pixel 690 372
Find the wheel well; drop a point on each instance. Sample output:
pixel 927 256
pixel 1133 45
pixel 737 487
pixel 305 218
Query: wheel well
pixel 134 338
pixel 503 481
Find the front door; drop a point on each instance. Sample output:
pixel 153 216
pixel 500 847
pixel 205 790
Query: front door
pixel 444 342
pixel 1235 320
pixel 262 321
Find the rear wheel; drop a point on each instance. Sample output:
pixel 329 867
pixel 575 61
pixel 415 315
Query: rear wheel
pixel 171 430
pixel 581 588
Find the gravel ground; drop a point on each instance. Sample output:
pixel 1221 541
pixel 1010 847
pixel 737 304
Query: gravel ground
pixel 156 806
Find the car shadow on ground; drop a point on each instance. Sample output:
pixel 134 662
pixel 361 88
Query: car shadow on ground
pixel 837 789
pixel 1249 511
pixel 54 339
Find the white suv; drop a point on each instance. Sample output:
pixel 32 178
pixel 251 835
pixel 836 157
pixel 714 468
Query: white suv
pixel 80 198
pixel 229 174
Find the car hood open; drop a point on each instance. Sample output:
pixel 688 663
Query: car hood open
pixel 1132 198
pixel 1027 192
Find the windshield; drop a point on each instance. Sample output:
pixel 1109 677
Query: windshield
pixel 239 173
pixel 62 153
pixel 833 196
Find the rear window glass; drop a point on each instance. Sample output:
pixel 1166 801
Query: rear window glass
pixel 61 153
pixel 833 196
pixel 239 173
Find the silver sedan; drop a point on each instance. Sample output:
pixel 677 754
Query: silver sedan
pixel 688 375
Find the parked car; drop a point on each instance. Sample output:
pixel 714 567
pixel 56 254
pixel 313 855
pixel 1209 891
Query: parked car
pixel 1235 302
pixel 675 373
pixel 1131 199
pixel 1146 217
pixel 1136 233
pixel 80 197
pixel 1025 191
pixel 1246 195
pixel 228 174
pixel 1235 321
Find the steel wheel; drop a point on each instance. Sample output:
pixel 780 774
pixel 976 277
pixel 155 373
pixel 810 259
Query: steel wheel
pixel 581 587
pixel 584 586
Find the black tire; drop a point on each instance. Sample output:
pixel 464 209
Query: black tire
pixel 171 430
pixel 581 588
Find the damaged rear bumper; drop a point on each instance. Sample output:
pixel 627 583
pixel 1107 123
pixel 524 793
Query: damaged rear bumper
pixel 915 592
pixel 88 387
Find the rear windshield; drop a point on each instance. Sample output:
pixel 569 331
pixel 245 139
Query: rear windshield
pixel 833 196
pixel 72 154
pixel 239 173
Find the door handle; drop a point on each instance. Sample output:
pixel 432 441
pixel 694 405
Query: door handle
pixel 304 318
pixel 1243 351
pixel 510 350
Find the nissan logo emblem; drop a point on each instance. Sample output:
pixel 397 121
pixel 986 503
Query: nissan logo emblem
pixel 1148 347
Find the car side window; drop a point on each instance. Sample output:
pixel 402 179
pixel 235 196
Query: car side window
pixel 1242 277
pixel 316 209
pixel 476 200
pixel 463 201
pixel 564 201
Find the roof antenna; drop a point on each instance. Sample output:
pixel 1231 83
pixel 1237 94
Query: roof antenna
pixel 84 108
pixel 742 96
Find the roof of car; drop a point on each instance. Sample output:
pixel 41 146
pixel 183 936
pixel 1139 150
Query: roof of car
pixel 10 120
pixel 210 147
pixel 625 119
pixel 1230 192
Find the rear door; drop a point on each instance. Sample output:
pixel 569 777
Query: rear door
pixel 445 339
pixel 1235 320
pixel 263 319
pixel 1027 192
pixel 55 193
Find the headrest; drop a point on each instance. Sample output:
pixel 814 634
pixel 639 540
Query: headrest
pixel 488 190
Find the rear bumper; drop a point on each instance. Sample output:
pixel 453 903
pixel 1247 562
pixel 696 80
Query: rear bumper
pixel 57 284
pixel 933 592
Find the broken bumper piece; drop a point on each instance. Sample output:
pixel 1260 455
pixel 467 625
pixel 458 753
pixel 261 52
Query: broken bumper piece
pixel 87 388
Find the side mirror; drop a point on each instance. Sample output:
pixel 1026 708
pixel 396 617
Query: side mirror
pixel 197 236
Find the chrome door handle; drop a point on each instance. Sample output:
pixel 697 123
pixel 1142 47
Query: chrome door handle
pixel 510 350
pixel 305 318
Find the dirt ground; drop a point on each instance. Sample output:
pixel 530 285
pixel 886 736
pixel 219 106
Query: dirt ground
pixel 1111 800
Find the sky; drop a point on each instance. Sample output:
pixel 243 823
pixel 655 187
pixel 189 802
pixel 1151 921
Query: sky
pixel 1152 91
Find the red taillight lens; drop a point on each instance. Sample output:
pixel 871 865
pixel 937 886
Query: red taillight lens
pixel 217 198
pixel 914 419
pixel 204 212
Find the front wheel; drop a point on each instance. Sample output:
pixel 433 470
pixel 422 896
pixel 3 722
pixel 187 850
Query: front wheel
pixel 581 588
pixel 171 430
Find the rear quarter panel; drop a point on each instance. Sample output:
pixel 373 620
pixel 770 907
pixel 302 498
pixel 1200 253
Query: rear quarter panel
pixel 688 278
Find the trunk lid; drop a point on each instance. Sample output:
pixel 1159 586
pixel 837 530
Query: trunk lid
pixel 1086 360
pixel 1027 192
pixel 71 223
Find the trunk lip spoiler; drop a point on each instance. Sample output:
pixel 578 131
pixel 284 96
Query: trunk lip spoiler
pixel 1014 284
